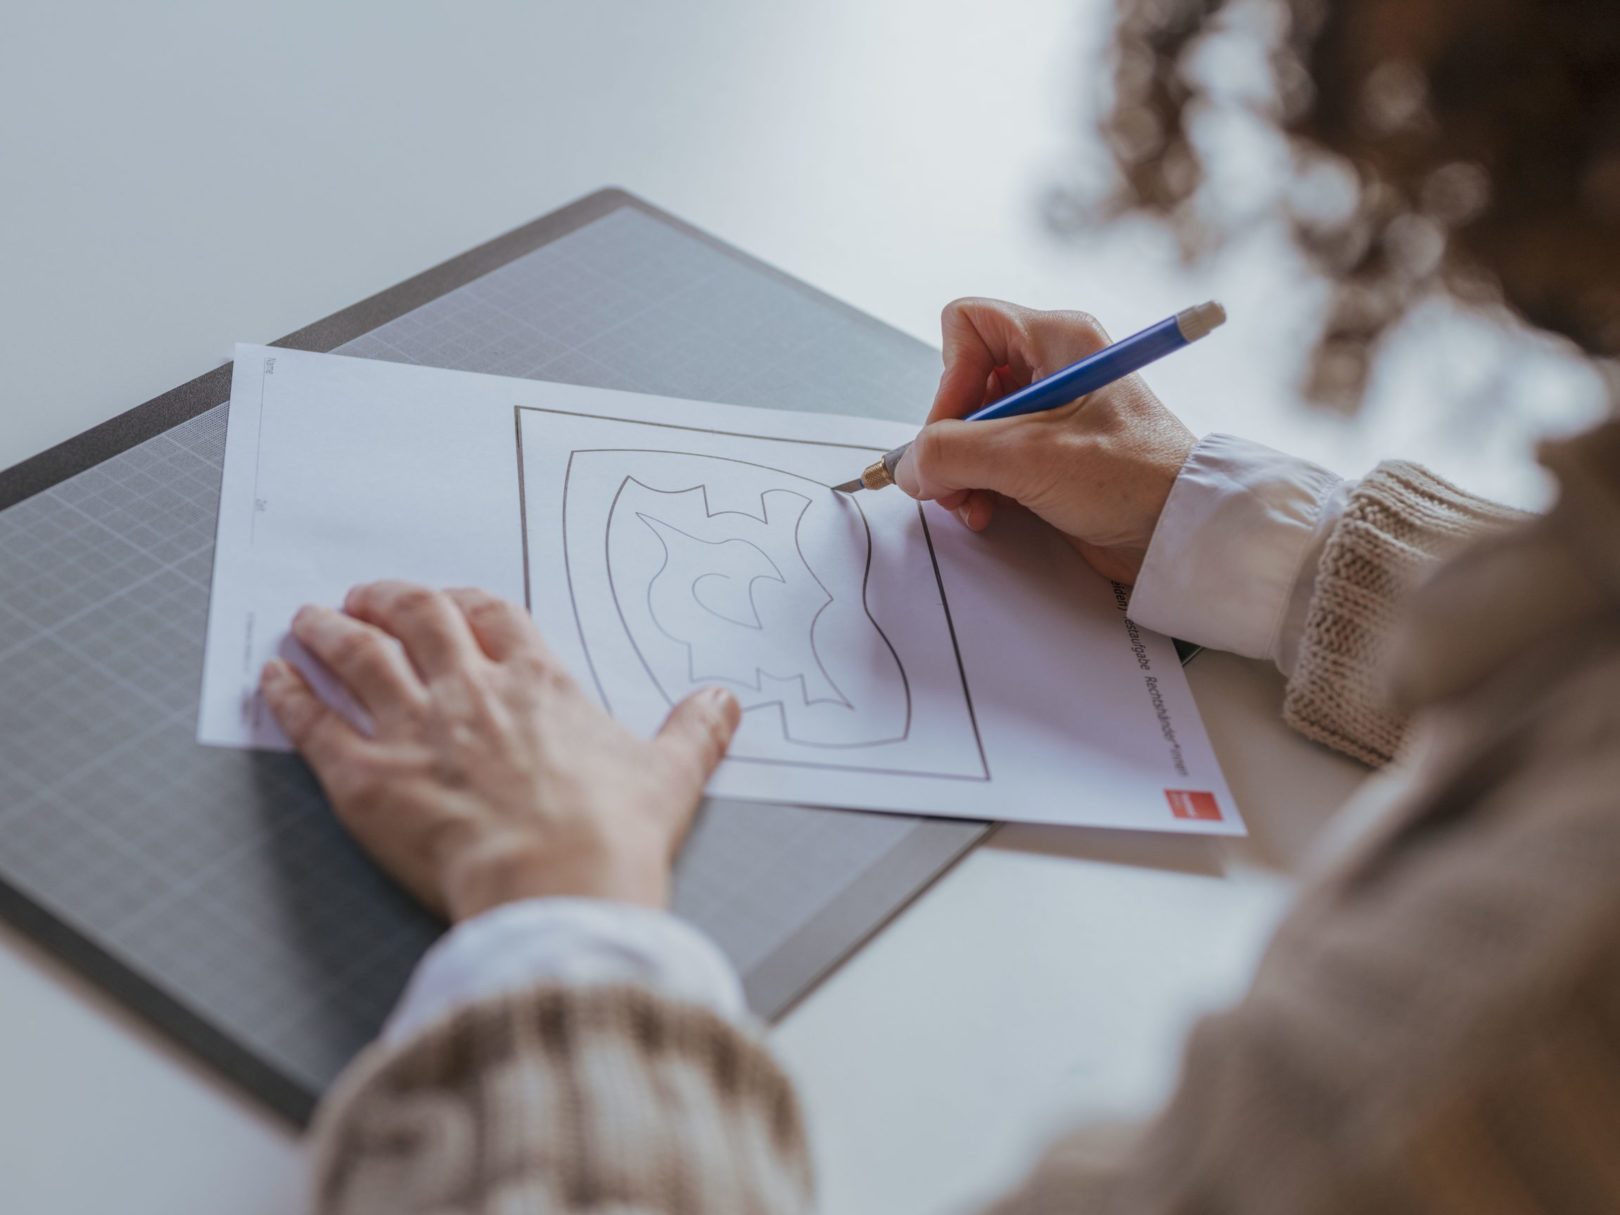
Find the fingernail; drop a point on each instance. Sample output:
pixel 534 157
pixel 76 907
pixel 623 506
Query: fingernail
pixel 962 514
pixel 274 671
pixel 723 702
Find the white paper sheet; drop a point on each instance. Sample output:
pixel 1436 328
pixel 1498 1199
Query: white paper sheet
pixel 885 657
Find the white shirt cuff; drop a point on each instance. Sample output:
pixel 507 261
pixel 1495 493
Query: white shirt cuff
pixel 1233 560
pixel 572 941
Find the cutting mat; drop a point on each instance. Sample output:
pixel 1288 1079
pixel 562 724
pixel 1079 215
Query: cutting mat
pixel 211 889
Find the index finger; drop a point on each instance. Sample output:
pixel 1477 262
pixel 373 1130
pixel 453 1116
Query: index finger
pixel 983 344
pixel 333 747
pixel 503 629
pixel 435 633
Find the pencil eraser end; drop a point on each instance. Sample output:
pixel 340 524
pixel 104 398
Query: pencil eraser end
pixel 1200 319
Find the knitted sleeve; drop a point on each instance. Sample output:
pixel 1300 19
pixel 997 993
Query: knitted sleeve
pixel 1398 524
pixel 564 1099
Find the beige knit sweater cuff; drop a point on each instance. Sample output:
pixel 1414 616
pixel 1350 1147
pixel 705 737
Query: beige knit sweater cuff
pixel 564 1099
pixel 1398 524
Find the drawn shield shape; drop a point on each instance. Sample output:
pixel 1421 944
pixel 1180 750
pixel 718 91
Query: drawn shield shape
pixel 755 579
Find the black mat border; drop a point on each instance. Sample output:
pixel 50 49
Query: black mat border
pixel 944 840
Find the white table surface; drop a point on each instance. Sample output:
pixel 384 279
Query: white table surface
pixel 176 177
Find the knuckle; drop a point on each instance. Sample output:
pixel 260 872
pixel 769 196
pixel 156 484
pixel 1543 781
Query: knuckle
pixel 925 449
pixel 1082 323
pixel 416 601
pixel 355 649
pixel 537 665
pixel 965 304
pixel 941 453
pixel 488 610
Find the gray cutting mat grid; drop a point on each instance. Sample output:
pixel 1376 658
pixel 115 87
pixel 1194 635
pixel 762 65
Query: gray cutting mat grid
pixel 220 874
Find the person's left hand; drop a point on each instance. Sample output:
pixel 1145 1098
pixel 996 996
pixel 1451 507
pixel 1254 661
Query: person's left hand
pixel 490 776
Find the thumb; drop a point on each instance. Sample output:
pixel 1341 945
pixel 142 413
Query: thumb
pixel 699 729
pixel 949 456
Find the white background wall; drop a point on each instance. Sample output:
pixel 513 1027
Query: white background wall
pixel 178 176
pixel 175 177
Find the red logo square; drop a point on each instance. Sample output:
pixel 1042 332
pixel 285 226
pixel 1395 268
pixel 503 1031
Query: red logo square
pixel 1190 803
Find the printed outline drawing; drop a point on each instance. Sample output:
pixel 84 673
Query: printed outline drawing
pixel 659 526
pixel 950 625
pixel 759 673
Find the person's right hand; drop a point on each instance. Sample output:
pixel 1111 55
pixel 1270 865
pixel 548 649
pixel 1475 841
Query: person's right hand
pixel 1098 469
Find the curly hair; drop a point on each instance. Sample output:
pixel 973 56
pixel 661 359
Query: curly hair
pixel 1481 138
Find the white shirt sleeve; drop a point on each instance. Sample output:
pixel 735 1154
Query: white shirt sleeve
pixel 1233 560
pixel 566 940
